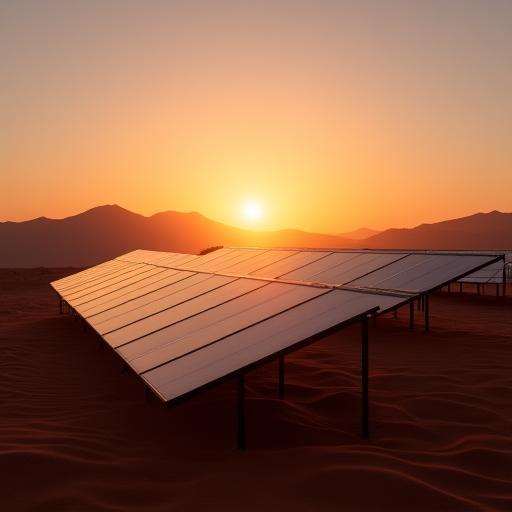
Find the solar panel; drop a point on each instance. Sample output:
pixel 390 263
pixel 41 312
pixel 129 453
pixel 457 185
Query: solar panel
pixel 227 318
pixel 258 261
pixel 90 274
pixel 286 265
pixel 227 259
pixel 89 288
pixel 422 272
pixel 491 274
pixel 168 297
pixel 183 322
pixel 153 326
pixel 341 268
pixel 100 276
pixel 309 272
pixel 115 298
pixel 354 267
pixel 200 361
pixel 175 259
pixel 179 279
pixel 146 256
pixel 156 316
pixel 187 320
pixel 358 268
pixel 119 285
pixel 200 262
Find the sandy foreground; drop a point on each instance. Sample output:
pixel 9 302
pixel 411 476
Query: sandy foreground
pixel 76 434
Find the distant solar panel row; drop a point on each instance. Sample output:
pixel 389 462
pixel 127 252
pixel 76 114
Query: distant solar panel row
pixel 492 274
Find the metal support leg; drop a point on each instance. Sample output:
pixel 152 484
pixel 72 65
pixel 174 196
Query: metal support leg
pixel 281 376
pixel 411 316
pixel 460 287
pixel 483 288
pixel 427 313
pixel 364 378
pixel 497 289
pixel 241 413
pixel 504 282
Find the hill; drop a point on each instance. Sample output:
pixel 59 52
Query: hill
pixel 359 234
pixel 107 231
pixel 491 230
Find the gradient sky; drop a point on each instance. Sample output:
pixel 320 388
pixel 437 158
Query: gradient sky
pixel 334 114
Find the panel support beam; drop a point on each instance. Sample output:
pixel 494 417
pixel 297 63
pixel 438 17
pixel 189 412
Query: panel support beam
pixel 427 312
pixel 281 375
pixel 240 412
pixel 364 378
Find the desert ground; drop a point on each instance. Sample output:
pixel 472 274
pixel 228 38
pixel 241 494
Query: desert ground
pixel 76 433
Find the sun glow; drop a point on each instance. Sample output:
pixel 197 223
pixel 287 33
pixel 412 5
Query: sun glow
pixel 252 211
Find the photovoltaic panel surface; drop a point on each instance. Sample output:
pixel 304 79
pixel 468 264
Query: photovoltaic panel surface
pixel 218 355
pixel 143 287
pixel 421 272
pixel 183 321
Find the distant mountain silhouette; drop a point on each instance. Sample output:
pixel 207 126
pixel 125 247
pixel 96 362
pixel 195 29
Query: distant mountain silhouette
pixel 107 231
pixel 359 234
pixel 480 231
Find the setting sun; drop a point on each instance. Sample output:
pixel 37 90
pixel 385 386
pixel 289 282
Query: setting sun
pixel 252 211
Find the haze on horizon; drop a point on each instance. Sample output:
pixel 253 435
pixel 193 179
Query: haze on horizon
pixel 332 115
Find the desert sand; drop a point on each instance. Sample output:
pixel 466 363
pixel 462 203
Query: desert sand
pixel 76 434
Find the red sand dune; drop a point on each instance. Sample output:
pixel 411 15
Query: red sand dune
pixel 76 433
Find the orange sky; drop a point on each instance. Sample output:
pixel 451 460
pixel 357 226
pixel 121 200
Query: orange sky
pixel 335 115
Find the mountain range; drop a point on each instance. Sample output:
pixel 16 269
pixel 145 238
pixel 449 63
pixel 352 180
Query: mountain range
pixel 359 234
pixel 107 231
pixel 485 231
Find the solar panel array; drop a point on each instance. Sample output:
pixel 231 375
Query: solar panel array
pixel 492 274
pixel 182 321
pixel 182 329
